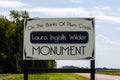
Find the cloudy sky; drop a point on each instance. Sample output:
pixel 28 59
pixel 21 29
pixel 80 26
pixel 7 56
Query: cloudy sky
pixel 107 23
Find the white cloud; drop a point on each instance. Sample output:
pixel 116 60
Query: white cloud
pixel 99 8
pixel 3 12
pixel 11 4
pixel 76 1
pixel 103 40
pixel 109 18
pixel 100 13
pixel 107 45
pixel 107 51
pixel 98 26
pixel 71 1
pixel 118 28
pixel 105 13
pixel 59 11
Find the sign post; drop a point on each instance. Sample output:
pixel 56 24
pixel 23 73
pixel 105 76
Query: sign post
pixel 59 39
pixel 92 74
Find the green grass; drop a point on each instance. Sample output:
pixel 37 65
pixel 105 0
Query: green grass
pixel 11 77
pixel 109 72
pixel 4 75
pixel 47 76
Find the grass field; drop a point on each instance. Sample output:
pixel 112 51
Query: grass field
pixel 11 76
pixel 48 76
pixel 109 72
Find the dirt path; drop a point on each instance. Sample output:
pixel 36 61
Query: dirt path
pixel 101 77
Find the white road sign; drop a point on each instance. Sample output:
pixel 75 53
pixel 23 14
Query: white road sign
pixel 59 39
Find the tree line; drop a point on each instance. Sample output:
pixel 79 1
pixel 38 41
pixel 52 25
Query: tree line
pixel 11 44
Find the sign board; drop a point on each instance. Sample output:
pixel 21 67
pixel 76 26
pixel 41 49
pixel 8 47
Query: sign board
pixel 59 39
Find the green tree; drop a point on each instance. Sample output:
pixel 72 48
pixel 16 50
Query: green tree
pixel 11 48
pixel 7 44
pixel 3 25
pixel 18 18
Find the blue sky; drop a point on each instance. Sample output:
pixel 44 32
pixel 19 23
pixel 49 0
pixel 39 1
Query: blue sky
pixel 107 23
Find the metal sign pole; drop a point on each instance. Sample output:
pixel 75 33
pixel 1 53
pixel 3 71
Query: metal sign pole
pixel 24 70
pixel 25 76
pixel 92 74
